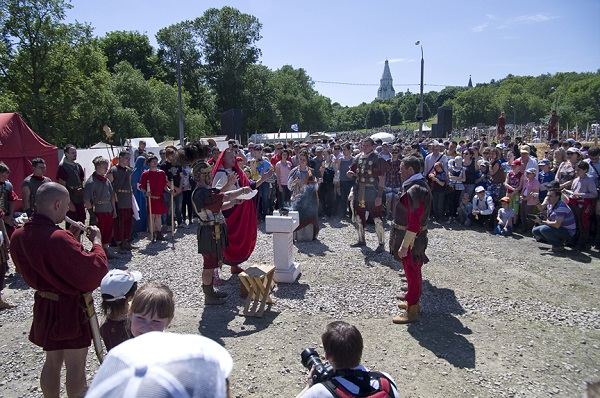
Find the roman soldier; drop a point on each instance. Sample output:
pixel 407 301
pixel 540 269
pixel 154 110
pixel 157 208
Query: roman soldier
pixel 71 175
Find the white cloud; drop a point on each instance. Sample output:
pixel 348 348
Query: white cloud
pixel 480 28
pixel 527 19
pixel 400 60
pixel 498 23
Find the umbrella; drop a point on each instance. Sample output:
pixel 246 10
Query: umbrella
pixel 383 136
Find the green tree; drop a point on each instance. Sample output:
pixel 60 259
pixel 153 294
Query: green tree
pixel 133 47
pixel 228 40
pixel 395 116
pixel 376 116
pixel 46 64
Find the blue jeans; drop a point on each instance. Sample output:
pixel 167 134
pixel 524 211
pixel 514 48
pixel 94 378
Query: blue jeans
pixel 177 202
pixel 438 204
pixel 500 231
pixel 555 236
pixel 263 202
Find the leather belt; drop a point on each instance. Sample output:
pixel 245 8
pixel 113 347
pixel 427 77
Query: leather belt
pixel 48 295
pixel 156 197
pixel 403 228
pixel 123 190
pixel 211 223
pixel 102 202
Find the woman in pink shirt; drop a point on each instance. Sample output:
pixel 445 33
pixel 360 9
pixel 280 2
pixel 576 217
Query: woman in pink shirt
pixel 282 170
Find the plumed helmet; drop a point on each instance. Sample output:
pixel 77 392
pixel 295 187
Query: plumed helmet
pixel 200 167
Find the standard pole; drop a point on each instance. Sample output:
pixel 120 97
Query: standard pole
pixel 421 105
pixel 179 100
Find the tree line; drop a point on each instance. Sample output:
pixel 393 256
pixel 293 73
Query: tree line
pixel 67 83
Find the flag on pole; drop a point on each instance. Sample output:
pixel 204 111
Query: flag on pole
pixel 294 127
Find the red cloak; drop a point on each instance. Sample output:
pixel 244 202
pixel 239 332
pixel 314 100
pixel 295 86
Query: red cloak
pixel 242 222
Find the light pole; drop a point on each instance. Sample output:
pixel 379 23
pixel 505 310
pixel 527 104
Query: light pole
pixel 418 43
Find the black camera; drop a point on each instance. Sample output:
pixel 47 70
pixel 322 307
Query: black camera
pixel 533 216
pixel 322 372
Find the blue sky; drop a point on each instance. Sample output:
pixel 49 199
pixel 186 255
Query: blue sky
pixel 348 42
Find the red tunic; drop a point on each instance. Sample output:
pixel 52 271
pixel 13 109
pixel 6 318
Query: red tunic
pixel 242 222
pixel 51 260
pixel 158 182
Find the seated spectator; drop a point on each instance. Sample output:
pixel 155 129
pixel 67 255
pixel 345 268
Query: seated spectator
pixel 505 218
pixel 164 365
pixel 558 225
pixel 343 345
pixel 465 208
pixel 117 289
pixel 483 208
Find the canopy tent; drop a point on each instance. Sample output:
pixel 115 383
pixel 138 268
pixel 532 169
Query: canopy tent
pixel 278 137
pixel 425 128
pixel 19 145
pixel 383 136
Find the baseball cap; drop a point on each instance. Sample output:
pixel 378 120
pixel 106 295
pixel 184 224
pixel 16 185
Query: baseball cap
pixel 505 199
pixel 516 162
pixel 525 149
pixel 257 146
pixel 574 150
pixel 544 162
pixel 158 364
pixel 117 283
pixel 319 149
pixel 531 170
pixel 479 189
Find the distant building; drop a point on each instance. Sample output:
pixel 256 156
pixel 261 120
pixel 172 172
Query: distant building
pixel 386 86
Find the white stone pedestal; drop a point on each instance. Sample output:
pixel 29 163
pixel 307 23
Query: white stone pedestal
pixel 282 228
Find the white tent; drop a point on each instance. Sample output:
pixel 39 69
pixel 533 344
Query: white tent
pixel 425 128
pixel 383 136
pixel 278 137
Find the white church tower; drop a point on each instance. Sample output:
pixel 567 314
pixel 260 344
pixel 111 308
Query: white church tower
pixel 386 86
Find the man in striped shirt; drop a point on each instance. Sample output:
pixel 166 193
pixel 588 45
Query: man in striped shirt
pixel 559 224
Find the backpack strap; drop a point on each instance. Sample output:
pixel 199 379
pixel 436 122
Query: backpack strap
pixel 361 379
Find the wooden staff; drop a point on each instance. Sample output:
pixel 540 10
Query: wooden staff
pixel 94 326
pixel 149 194
pixel 172 212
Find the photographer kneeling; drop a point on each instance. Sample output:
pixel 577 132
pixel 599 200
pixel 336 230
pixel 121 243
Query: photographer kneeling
pixel 559 224
pixel 343 345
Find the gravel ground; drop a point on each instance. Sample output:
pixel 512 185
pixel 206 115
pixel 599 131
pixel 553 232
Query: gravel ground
pixel 501 317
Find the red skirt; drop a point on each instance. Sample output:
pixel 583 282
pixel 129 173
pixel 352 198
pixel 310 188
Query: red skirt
pixel 158 206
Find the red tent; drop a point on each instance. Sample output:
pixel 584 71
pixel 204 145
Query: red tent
pixel 19 145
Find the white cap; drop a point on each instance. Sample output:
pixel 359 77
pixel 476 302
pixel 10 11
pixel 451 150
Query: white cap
pixel 158 364
pixel 118 282
pixel 480 189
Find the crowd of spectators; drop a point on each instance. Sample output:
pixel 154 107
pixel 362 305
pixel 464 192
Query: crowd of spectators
pixel 497 186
